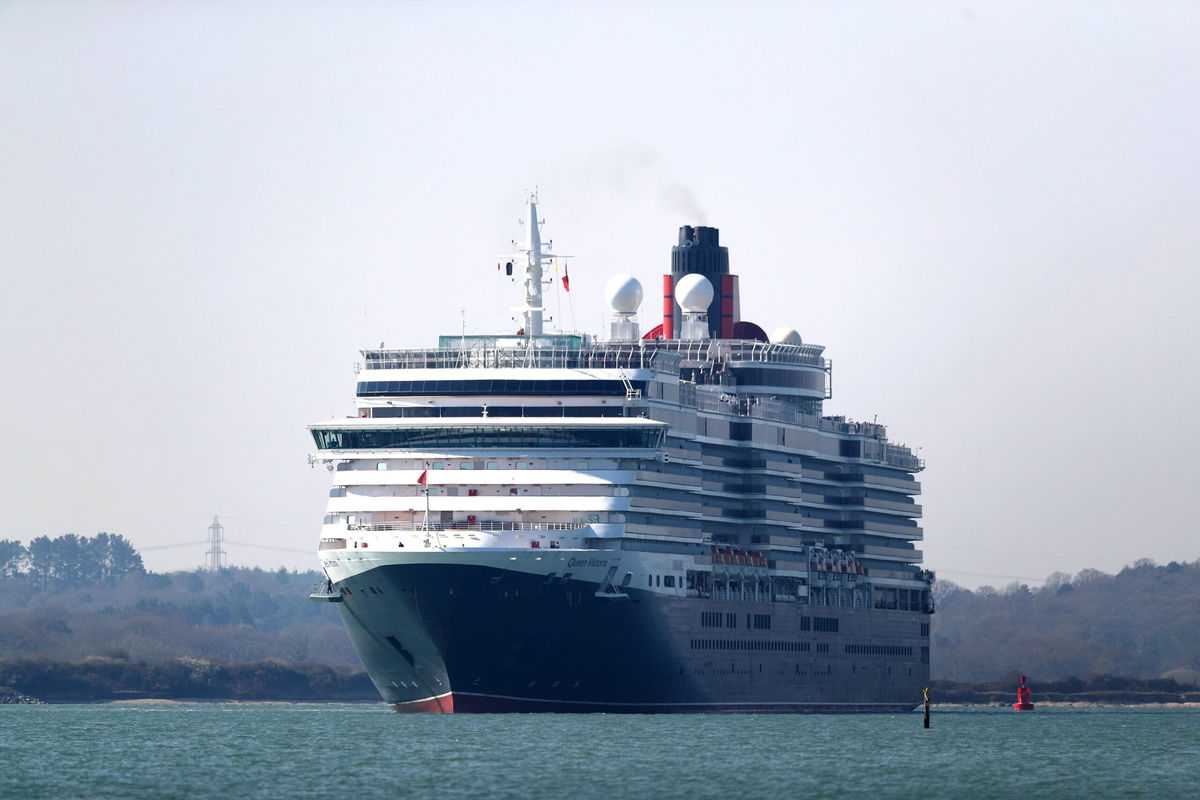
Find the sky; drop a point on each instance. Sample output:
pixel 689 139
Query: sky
pixel 989 214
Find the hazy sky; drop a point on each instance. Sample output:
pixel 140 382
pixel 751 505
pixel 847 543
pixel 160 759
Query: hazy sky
pixel 989 213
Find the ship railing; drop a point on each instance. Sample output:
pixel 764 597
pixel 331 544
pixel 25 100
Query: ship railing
pixel 664 354
pixel 468 526
pixel 716 350
pixel 896 455
pixel 325 592
pixel 627 355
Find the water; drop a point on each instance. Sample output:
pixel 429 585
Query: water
pixel 357 751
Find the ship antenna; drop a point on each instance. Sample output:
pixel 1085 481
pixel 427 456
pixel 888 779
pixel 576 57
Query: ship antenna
pixel 533 270
pixel 536 255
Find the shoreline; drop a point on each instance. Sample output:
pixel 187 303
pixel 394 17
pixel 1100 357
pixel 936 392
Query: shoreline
pixel 171 701
pixel 148 701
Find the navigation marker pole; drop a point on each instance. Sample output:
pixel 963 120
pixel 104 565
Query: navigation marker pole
pixel 424 482
pixel 925 694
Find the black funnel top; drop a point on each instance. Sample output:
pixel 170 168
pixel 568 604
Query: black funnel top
pixel 699 250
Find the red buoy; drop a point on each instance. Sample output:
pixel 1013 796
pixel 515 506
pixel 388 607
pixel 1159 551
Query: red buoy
pixel 1023 703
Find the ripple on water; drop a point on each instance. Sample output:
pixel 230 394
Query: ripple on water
pixel 351 751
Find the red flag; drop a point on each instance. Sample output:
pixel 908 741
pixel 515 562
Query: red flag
pixel 566 280
pixel 421 480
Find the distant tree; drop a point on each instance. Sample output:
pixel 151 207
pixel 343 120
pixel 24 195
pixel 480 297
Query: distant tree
pixel 1090 575
pixel 69 553
pixel 1017 591
pixel 12 558
pixel 41 560
pixel 72 561
pixel 1055 581
pixel 120 559
pixel 942 589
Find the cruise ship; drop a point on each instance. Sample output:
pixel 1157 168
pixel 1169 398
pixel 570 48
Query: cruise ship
pixel 657 521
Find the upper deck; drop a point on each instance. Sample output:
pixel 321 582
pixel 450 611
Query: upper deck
pixel 577 352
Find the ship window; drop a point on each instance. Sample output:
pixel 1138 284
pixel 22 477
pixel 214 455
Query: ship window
pixel 382 465
pixel 658 580
pixel 669 581
pixel 475 387
pixel 524 464
pixel 499 436
pixel 493 465
pixel 466 465
pixel 650 580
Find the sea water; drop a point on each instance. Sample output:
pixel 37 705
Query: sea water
pixel 356 751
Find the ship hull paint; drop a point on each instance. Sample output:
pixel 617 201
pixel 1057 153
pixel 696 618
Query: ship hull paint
pixel 468 638
pixel 467 702
pixel 442 704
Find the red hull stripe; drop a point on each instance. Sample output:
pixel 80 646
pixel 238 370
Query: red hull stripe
pixel 442 704
pixel 472 703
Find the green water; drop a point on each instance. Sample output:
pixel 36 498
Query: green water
pixel 342 752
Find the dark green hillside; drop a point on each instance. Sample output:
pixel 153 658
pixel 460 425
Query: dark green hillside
pixel 231 615
pixel 97 679
pixel 1143 622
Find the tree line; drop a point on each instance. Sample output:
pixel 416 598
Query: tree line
pixel 70 561
pixel 106 678
pixel 1140 622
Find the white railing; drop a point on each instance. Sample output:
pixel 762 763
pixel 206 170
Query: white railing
pixel 468 526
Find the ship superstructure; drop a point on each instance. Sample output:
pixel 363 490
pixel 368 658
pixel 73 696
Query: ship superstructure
pixel 658 522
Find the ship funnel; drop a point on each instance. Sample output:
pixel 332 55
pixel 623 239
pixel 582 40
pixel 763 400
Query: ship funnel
pixel 700 252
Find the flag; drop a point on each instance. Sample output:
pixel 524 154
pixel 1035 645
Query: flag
pixel 566 280
pixel 424 475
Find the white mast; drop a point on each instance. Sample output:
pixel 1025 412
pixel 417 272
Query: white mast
pixel 533 271
pixel 537 255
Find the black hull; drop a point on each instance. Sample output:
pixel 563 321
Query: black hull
pixel 469 638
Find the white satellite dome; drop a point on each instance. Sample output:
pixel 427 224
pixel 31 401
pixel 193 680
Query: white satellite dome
pixel 623 293
pixel 694 293
pixel 785 334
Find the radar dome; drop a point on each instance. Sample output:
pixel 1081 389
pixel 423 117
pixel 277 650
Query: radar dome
pixel 785 335
pixel 694 293
pixel 623 293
